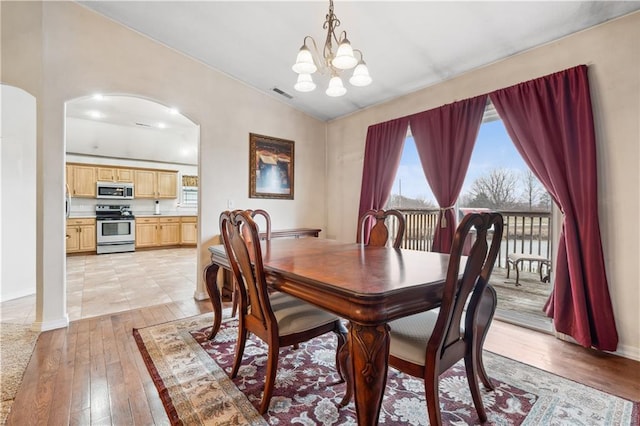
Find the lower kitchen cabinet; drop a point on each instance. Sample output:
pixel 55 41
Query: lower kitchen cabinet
pixel 189 230
pixel 146 232
pixel 81 235
pixel 169 231
pixel 164 231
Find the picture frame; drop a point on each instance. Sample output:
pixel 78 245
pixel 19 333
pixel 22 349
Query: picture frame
pixel 271 167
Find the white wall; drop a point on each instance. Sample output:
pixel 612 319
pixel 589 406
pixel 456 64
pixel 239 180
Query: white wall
pixel 612 54
pixel 18 193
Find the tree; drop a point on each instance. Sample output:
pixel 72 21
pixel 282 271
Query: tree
pixel 495 190
pixel 532 189
pixel 545 201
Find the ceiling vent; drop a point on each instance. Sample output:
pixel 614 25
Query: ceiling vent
pixel 143 125
pixel 283 93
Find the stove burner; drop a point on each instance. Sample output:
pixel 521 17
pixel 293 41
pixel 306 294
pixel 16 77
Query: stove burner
pixel 114 212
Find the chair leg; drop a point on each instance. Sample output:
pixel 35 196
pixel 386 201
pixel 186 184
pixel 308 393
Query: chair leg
pixel 469 364
pixel 341 333
pixel 432 395
pixel 242 339
pixel 270 378
pixel 486 310
pixel 344 360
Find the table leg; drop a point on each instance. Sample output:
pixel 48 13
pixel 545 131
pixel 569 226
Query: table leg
pixel 369 350
pixel 210 277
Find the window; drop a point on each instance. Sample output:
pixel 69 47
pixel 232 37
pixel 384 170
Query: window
pixel 189 190
pixel 497 178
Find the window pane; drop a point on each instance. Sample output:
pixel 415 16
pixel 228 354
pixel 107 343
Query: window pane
pixel 410 189
pixel 498 178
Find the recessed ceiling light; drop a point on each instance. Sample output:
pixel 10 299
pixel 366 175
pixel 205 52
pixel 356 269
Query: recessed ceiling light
pixel 161 125
pixel 98 97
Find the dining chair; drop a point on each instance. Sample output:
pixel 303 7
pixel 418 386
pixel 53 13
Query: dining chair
pixel 428 343
pixel 245 234
pixel 379 233
pixel 276 318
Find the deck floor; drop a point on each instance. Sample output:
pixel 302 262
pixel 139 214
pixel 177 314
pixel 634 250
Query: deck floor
pixel 522 305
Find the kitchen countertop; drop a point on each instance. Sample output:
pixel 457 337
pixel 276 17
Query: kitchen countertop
pixel 86 215
pixel 165 214
pixel 82 216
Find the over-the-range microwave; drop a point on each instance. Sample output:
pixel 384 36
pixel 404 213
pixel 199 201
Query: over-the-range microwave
pixel 114 190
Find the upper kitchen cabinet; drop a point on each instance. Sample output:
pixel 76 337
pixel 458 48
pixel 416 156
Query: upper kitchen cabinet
pixel 114 174
pixel 81 180
pixel 155 184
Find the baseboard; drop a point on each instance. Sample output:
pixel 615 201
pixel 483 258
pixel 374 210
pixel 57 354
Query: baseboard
pixel 50 325
pixel 623 351
pixel 628 352
pixel 200 295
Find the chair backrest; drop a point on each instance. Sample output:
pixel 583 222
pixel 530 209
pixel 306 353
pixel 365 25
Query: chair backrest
pixel 267 220
pixel 242 245
pixel 447 341
pixel 379 234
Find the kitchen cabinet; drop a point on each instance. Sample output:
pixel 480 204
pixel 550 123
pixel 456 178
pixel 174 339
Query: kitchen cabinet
pixel 81 180
pixel 155 184
pixel 169 232
pixel 81 235
pixel 188 230
pixel 114 174
pixel 146 232
pixel 157 231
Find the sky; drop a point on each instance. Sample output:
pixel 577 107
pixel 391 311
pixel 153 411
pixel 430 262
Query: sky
pixel 493 149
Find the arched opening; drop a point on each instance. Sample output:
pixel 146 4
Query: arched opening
pixel 18 201
pixel 132 176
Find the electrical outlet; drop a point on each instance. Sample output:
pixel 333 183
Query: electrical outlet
pixel 229 204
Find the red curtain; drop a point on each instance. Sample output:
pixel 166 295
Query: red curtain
pixel 382 155
pixel 444 139
pixel 550 121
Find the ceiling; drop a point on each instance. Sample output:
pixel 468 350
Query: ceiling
pixel 126 127
pixel 406 45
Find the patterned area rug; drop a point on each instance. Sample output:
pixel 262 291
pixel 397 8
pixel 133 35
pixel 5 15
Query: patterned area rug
pixel 191 376
pixel 16 345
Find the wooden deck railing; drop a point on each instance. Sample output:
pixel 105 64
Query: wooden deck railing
pixel 524 232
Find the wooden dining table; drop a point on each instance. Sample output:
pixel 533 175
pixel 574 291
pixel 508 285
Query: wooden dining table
pixel 368 286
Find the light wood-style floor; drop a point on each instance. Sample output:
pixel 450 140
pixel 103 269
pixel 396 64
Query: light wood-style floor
pixel 92 371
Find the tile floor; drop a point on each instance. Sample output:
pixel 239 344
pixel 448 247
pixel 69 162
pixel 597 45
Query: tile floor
pixel 108 283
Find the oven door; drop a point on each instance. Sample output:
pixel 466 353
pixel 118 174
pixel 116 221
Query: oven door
pixel 116 231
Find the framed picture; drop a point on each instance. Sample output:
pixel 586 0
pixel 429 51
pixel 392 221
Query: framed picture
pixel 271 168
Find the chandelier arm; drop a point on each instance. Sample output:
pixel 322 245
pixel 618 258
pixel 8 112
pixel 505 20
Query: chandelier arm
pixel 315 54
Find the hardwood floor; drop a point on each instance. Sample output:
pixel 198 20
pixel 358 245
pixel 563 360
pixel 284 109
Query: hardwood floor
pixel 93 373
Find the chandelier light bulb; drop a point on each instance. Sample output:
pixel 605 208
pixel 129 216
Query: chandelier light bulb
pixel 305 83
pixel 304 62
pixel 361 75
pixel 344 59
pixel 336 88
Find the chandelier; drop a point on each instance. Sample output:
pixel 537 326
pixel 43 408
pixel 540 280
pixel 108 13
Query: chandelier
pixel 330 63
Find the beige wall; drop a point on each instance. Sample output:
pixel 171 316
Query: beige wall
pixel 612 53
pixel 83 53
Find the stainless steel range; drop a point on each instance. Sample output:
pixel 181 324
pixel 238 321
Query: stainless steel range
pixel 116 228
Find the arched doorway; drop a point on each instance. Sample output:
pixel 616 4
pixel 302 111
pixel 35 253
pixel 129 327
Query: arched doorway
pixel 128 133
